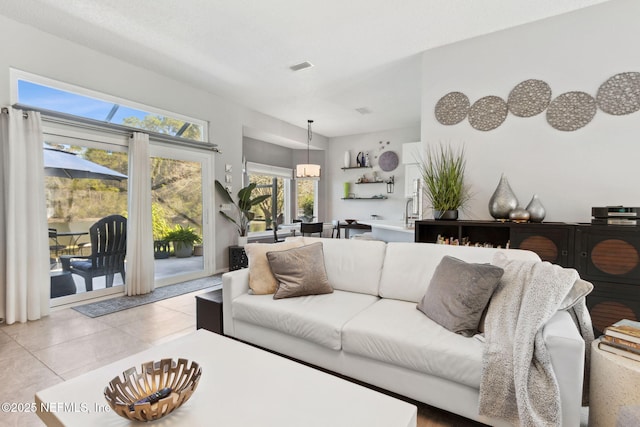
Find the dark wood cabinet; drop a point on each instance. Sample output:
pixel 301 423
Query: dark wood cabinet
pixel 552 242
pixel 609 257
pixel 606 255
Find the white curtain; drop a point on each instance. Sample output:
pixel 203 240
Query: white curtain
pixel 24 249
pixel 139 230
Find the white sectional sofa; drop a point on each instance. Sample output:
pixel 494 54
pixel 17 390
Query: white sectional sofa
pixel 369 328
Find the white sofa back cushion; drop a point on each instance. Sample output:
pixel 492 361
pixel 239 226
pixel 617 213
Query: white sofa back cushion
pixel 408 267
pixel 352 265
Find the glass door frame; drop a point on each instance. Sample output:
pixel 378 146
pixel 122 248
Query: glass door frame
pixel 206 159
pixel 64 135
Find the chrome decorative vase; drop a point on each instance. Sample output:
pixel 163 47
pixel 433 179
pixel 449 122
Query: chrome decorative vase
pixel 519 215
pixel 503 200
pixel 536 210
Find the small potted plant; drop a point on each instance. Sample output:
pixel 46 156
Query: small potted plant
pixel 183 239
pixel 243 214
pixel 443 177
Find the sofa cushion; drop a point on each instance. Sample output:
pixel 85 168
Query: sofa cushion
pixel 352 265
pixel 317 318
pixel 408 267
pixel 395 332
pixel 299 271
pixel 458 294
pixel 261 280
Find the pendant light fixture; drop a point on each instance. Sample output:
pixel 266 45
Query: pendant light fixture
pixel 308 170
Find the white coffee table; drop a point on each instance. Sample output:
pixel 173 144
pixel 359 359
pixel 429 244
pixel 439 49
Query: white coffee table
pixel 240 386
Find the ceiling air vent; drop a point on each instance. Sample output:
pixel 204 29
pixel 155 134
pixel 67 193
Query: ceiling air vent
pixel 301 66
pixel 364 110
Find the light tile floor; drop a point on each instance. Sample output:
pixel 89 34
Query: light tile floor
pixel 65 344
pixel 37 355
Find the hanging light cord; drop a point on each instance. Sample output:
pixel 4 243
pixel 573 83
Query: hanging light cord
pixel 309 136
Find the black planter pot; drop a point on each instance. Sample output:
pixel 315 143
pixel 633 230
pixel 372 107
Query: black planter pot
pixel 445 215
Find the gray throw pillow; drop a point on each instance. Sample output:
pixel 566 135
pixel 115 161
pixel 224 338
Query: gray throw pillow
pixel 299 271
pixel 458 293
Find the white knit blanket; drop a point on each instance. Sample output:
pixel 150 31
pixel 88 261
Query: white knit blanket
pixel 518 383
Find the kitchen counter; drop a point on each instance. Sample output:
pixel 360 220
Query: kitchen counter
pixel 390 231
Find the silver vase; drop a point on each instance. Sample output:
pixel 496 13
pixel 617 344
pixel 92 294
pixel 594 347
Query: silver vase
pixel 503 200
pixel 536 210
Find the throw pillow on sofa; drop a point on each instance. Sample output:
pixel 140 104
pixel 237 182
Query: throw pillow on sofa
pixel 261 280
pixel 299 271
pixel 458 294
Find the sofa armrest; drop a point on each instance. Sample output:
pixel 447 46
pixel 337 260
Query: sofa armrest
pixel 234 284
pixel 567 349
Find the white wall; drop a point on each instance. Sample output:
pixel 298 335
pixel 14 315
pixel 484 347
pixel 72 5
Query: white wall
pixel 570 171
pixel 28 49
pixel 393 207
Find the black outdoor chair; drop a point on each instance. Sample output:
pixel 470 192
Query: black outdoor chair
pixel 54 246
pixel 108 250
pixel 311 228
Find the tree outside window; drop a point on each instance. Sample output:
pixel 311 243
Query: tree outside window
pixel 271 209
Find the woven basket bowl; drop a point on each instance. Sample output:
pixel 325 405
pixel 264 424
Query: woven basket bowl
pixel 123 391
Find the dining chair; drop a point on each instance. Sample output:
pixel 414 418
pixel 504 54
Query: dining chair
pixel 335 231
pixel 311 228
pixel 275 235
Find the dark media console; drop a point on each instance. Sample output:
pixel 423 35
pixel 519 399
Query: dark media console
pixel 606 255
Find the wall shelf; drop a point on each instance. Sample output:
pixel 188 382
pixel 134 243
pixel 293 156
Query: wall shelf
pixel 357 167
pixel 370 182
pixel 364 198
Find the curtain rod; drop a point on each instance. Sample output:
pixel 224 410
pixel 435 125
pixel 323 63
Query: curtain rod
pixel 91 124
pixel 5 110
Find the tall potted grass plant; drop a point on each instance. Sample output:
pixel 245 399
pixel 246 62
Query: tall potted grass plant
pixel 442 171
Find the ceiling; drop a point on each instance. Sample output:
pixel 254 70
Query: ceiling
pixel 365 52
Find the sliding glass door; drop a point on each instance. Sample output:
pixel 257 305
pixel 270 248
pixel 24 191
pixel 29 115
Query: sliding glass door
pixel 180 199
pixel 85 181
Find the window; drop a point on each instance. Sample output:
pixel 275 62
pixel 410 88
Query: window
pixel 46 94
pixel 276 182
pixel 306 200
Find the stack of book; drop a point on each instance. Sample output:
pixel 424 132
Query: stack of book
pixel 622 338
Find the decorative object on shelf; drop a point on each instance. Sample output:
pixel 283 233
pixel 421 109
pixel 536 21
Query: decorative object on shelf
pixel 571 111
pixel 529 98
pixel 154 392
pixel 445 215
pixel 347 188
pixel 503 200
pixel 519 215
pixel 308 170
pixel 347 159
pixel 391 184
pixel 443 176
pixel 620 94
pixel 360 160
pixel 350 221
pixel 536 210
pixel 367 162
pixel 388 161
pixel 488 113
pixel 242 208
pixel 452 108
